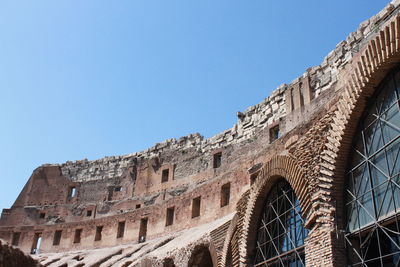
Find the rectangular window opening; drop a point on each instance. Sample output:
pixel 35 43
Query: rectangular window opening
pixel 196 207
pixel 121 229
pixel 15 238
pixel 137 206
pixel 89 213
pixel 143 230
pixel 37 240
pixel 57 237
pixel 165 176
pixel 291 99
pixel 110 193
pixel 99 229
pixel 118 188
pixel 72 191
pixel 217 160
pixel 274 133
pixel 225 194
pixel 301 94
pixel 77 236
pixel 170 216
pixel 42 215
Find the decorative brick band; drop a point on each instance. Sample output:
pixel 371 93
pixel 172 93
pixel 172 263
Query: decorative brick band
pixel 227 248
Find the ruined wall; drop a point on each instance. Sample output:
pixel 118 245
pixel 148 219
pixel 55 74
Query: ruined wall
pixel 293 122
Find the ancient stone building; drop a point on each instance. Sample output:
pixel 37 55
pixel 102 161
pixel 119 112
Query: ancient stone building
pixel 309 176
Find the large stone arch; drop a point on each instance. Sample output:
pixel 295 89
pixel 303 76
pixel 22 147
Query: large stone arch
pixel 368 68
pixel 360 78
pixel 277 168
pixel 232 242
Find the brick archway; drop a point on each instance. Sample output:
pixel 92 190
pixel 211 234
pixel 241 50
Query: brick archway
pixel 360 78
pixel 367 69
pixel 277 168
pixel 228 242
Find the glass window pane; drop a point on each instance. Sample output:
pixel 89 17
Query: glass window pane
pixel 373 137
pixel 387 97
pixel 366 213
pixel 352 215
pixel 377 176
pixel 384 200
pixel 393 157
pixel 395 183
pixel 361 180
pixel 392 116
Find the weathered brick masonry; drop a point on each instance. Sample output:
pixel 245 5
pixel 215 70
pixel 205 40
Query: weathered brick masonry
pixel 198 202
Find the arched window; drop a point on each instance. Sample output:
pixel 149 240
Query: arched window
pixel 281 232
pixel 373 183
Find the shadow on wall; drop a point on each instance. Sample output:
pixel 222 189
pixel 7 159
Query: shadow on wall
pixel 13 257
pixel 168 263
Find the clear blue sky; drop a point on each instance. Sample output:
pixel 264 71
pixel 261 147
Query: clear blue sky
pixel 88 79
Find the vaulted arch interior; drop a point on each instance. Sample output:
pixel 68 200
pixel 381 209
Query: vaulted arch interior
pixel 201 257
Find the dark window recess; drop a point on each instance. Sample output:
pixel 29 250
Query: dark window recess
pixel 99 229
pixel 42 215
pixel 291 99
pixel 253 177
pixel 217 160
pixel 225 194
pixel 137 206
pixel 201 256
pixel 170 216
pixel 121 229
pixel 37 239
pixel 301 95
pixel 57 237
pixel 110 193
pixel 15 238
pixel 118 188
pixel 196 207
pixel 72 191
pixel 143 230
pixel 164 176
pixel 89 213
pixel 274 133
pixel 77 236
pixel 170 263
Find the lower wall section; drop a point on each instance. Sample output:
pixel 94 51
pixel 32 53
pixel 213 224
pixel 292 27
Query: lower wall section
pixel 324 247
pixel 137 226
pixel 181 249
pixel 13 257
